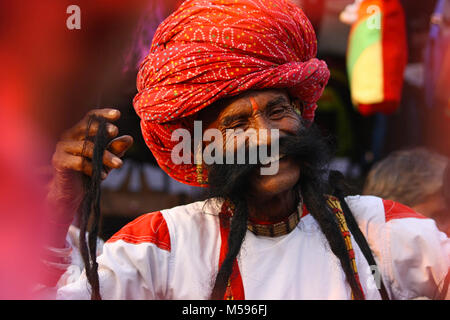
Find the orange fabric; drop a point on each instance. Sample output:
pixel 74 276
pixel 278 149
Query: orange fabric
pixel 150 228
pixel 395 55
pixel 394 210
pixel 386 107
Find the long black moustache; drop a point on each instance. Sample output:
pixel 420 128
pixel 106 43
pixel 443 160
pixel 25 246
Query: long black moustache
pixel 89 210
pixel 308 147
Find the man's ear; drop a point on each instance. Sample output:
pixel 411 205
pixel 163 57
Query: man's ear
pixel 298 104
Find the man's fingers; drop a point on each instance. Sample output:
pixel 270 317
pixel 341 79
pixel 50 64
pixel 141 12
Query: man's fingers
pixel 120 145
pixel 107 113
pixel 75 152
pixel 75 163
pixel 86 149
pixel 78 132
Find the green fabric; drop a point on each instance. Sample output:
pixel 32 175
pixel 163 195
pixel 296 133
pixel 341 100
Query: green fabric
pixel 361 38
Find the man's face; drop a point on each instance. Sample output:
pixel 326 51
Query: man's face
pixel 261 111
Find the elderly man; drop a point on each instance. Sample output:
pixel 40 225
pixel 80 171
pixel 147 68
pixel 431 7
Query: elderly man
pixel 235 66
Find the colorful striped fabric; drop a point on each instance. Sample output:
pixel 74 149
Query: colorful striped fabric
pixel 376 56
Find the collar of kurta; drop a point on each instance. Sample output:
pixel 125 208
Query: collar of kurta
pixel 275 229
pixel 270 229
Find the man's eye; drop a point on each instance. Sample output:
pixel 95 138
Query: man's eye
pixel 237 125
pixel 278 112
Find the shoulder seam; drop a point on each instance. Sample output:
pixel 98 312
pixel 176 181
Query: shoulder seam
pixel 395 210
pixel 148 228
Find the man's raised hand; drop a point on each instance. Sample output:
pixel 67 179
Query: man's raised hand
pixel 73 156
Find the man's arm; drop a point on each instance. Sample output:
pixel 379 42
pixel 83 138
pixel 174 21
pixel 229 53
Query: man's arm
pixel 134 264
pixel 419 254
pixel 413 256
pixel 71 161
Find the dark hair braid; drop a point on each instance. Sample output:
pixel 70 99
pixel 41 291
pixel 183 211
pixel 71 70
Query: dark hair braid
pixel 238 229
pixel 313 191
pixel 89 210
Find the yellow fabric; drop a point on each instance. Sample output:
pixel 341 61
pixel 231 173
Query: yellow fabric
pixel 368 90
pixel 334 204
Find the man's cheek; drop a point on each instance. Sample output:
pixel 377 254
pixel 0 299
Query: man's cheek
pixel 271 170
pixel 290 124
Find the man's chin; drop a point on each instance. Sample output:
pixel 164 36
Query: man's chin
pixel 270 185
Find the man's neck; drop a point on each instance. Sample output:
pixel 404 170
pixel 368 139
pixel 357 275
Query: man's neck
pixel 275 208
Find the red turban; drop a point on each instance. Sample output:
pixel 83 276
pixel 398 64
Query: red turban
pixel 211 49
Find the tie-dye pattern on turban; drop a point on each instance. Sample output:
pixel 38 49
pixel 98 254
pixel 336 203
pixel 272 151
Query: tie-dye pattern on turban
pixel 211 49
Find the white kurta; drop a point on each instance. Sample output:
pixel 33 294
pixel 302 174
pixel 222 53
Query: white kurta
pixel 174 254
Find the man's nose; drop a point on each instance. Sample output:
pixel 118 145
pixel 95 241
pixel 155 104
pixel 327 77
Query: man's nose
pixel 266 130
pixel 260 124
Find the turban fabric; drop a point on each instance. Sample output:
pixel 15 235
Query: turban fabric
pixel 212 49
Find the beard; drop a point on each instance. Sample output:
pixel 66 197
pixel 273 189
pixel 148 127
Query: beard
pixel 307 147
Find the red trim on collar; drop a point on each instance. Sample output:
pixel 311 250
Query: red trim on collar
pixel 305 211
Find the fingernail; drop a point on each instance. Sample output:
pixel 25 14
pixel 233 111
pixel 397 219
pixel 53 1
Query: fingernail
pixel 112 129
pixel 113 112
pixel 104 175
pixel 117 161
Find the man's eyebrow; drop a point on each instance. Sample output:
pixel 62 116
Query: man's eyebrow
pixel 275 101
pixel 227 120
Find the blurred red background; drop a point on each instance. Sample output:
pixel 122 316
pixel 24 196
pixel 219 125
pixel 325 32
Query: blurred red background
pixel 50 77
